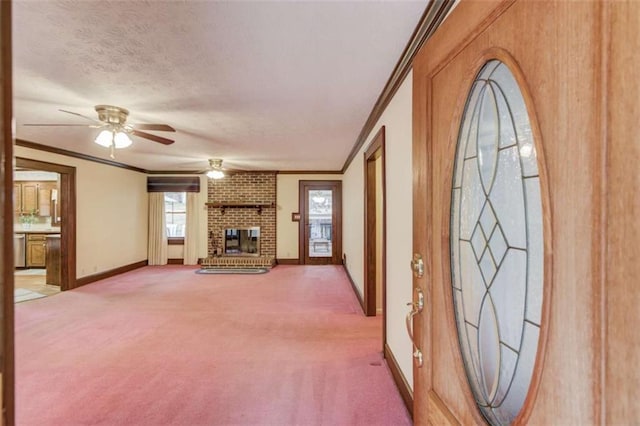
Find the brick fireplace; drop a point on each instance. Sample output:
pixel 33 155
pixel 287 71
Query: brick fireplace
pixel 242 200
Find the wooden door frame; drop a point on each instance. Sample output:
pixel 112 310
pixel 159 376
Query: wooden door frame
pixel 336 246
pixel 375 151
pixel 67 213
pixel 6 212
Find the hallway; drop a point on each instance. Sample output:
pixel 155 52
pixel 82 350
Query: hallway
pixel 163 345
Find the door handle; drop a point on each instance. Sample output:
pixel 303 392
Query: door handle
pixel 416 308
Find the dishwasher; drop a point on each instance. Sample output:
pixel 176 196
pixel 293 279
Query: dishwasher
pixel 19 250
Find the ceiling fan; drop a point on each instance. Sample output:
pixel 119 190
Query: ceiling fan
pixel 115 131
pixel 215 169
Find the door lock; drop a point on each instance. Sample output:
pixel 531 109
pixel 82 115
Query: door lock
pixel 417 265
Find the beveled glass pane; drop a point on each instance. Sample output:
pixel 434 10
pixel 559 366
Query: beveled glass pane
pixel 488 138
pixel 478 242
pixel 472 136
pixel 498 245
pixel 463 329
pixel 455 235
pixel 488 267
pixel 508 360
pixel 518 392
pixel 489 345
pixel 473 288
pixel 474 367
pixel 507 130
pixel 487 219
pixel 503 77
pixel 507 198
pixel 535 250
pixel 508 292
pixel 320 223
pixel 488 70
pixel 472 199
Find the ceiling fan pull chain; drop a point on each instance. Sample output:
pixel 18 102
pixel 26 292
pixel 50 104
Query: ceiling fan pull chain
pixel 112 154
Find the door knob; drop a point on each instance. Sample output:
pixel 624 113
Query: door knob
pixel 416 307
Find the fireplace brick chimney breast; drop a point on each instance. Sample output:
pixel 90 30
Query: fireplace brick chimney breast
pixel 243 188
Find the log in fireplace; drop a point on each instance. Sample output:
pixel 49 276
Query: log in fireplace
pixel 241 241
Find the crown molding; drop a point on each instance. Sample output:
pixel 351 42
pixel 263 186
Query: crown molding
pixel 309 172
pixel 431 19
pixel 65 152
pixel 60 151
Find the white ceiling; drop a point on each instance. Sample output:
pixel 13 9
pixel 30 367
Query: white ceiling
pixel 265 85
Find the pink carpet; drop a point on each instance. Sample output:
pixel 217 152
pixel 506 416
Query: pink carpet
pixel 163 345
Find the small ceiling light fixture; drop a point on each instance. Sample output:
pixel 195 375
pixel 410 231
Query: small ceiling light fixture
pixel 216 169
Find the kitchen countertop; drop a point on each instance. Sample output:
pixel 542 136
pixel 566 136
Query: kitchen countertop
pixel 36 231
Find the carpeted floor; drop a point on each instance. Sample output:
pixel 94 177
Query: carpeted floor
pixel 162 345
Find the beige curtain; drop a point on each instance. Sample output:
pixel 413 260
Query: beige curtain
pixel 157 252
pixel 191 231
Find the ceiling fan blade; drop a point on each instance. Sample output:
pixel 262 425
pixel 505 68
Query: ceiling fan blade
pixel 151 137
pixel 80 115
pixel 157 127
pixel 62 125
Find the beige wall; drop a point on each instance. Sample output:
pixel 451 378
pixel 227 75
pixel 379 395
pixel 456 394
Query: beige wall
pixel 287 203
pixel 111 213
pixel 397 119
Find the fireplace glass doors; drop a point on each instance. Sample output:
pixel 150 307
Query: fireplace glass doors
pixel 242 241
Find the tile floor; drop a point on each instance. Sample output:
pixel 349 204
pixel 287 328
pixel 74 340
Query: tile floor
pixel 33 280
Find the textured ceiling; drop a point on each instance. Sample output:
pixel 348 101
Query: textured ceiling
pixel 263 85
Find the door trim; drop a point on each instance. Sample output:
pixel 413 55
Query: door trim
pixel 336 186
pixel 68 214
pixel 6 212
pixel 375 151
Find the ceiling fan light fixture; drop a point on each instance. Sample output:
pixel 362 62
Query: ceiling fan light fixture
pixel 122 140
pixel 215 174
pixel 104 138
pixel 119 139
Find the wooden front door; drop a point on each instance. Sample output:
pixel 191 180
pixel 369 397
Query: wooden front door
pixel 542 199
pixel 320 222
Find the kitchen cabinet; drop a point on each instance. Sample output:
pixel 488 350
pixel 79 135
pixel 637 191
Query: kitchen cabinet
pixel 17 197
pixel 29 197
pixel 36 251
pixel 44 198
pixel 34 196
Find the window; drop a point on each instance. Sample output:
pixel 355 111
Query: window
pixel 175 208
pixel 497 245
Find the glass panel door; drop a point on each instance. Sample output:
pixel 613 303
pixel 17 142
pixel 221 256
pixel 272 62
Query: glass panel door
pixel 320 223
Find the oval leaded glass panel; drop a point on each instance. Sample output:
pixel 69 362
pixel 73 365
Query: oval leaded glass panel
pixel 496 244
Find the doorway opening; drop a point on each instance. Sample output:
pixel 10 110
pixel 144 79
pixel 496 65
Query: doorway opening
pixel 59 207
pixel 374 230
pixel 320 236
pixel 36 238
